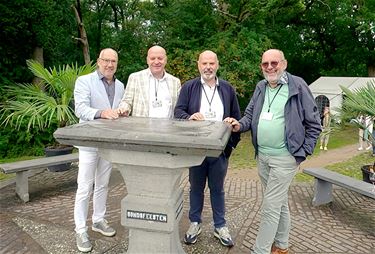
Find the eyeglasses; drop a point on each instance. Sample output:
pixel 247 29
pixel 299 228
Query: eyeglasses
pixel 107 61
pixel 273 64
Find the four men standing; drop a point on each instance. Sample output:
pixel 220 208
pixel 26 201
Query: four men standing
pixel 281 115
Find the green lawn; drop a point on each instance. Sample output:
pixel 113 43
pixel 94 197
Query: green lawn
pixel 243 156
pixel 340 137
pixel 351 167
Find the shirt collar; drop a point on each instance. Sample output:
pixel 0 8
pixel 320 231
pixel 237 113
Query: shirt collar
pixel 216 81
pixel 101 76
pixel 152 76
pixel 282 81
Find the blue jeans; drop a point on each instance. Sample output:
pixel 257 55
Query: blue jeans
pixel 276 173
pixel 214 170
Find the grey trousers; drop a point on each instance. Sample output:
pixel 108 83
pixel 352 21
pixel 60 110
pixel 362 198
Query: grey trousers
pixel 276 173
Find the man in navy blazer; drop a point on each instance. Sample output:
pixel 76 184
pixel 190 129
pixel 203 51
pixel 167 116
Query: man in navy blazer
pixel 208 98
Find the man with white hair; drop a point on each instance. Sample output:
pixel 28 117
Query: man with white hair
pixel 285 125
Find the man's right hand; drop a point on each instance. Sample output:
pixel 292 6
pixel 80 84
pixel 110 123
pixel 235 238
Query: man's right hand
pixel 197 116
pixel 234 123
pixel 109 114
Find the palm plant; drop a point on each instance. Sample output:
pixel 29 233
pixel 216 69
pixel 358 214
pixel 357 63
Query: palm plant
pixel 358 102
pixel 46 103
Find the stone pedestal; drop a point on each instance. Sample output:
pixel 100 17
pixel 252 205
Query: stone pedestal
pixel 151 155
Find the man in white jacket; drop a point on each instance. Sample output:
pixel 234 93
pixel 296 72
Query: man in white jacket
pixel 96 95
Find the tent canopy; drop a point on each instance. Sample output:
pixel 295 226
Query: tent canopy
pixel 330 88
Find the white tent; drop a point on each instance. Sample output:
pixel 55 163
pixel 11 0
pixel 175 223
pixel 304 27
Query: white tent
pixel 330 88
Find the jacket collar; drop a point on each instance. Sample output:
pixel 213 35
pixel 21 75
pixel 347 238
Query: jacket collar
pixel 287 77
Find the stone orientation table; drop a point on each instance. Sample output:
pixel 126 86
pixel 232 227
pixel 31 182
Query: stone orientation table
pixel 151 155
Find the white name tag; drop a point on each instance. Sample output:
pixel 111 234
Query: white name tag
pixel 157 104
pixel 266 116
pixel 209 114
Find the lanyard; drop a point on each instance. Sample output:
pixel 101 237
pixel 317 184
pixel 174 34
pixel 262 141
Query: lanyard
pixel 268 95
pixel 212 98
pixel 156 89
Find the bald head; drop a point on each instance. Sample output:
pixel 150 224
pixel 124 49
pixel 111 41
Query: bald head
pixel 208 54
pixel 156 49
pixel 274 52
pixel 107 51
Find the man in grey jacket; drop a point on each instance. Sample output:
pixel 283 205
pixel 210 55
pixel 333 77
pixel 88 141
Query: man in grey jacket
pixel 96 95
pixel 285 125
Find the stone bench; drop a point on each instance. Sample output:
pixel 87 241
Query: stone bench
pixel 324 179
pixel 22 168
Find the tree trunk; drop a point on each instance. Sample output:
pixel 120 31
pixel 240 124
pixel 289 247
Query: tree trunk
pixel 38 56
pixel 83 36
pixel 371 70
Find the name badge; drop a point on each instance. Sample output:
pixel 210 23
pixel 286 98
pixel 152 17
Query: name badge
pixel 266 116
pixel 209 114
pixel 157 104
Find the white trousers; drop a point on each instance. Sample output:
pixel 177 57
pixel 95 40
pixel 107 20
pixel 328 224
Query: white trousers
pixel 93 173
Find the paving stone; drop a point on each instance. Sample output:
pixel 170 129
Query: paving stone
pixel 345 226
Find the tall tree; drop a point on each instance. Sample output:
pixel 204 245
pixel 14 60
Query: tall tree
pixel 328 38
pixel 31 26
pixel 82 31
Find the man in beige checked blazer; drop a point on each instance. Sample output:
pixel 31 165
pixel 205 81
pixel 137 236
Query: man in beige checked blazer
pixel 151 92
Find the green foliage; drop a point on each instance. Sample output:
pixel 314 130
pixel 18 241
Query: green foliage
pixel 15 143
pixel 330 38
pixel 318 37
pixel 360 101
pixel 186 24
pixel 26 24
pixel 39 106
pixel 239 59
pixel 183 64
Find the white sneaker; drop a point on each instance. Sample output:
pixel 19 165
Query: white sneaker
pixel 360 148
pixel 325 148
pixel 368 148
pixel 321 147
